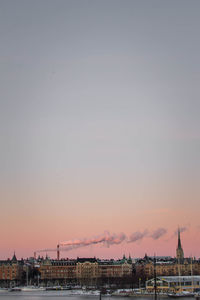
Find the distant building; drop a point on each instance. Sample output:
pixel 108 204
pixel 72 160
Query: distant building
pixel 61 271
pixel 179 249
pixel 171 268
pixel 167 266
pixel 116 268
pixel 174 283
pixel 10 271
pixel 84 271
pixel 87 270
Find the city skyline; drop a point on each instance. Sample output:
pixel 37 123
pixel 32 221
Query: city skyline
pixel 99 125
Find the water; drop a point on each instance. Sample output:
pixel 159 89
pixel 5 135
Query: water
pixel 59 295
pixel 43 295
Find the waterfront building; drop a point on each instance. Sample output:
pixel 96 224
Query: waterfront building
pixel 169 268
pixel 115 268
pixel 87 271
pixel 84 271
pixel 166 266
pixel 10 271
pixel 58 271
pixel 174 284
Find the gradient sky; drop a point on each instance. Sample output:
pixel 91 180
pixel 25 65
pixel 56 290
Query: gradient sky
pixel 99 124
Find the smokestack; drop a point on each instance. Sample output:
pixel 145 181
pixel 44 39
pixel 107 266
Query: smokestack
pixel 58 252
pixel 34 255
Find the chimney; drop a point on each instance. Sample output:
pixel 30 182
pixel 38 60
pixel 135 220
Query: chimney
pixel 58 252
pixel 34 255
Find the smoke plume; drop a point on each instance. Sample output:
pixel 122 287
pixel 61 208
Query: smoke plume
pixel 182 229
pixel 136 236
pixel 158 233
pixel 47 250
pixel 106 239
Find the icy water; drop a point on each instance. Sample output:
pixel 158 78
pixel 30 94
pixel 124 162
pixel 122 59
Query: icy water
pixel 42 295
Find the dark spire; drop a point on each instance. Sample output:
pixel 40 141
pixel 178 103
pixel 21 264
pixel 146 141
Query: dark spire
pixel 14 259
pixel 179 250
pixel 179 239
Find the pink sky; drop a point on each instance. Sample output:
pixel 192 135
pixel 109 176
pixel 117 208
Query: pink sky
pixel 36 221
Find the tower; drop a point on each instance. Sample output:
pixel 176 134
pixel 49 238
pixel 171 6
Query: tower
pixel 58 252
pixel 179 249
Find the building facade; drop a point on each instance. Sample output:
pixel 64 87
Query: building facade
pixel 172 268
pixel 173 284
pixel 10 272
pixel 84 271
pixel 57 271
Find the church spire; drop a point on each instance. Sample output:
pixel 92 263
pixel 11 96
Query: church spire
pixel 179 239
pixel 14 259
pixel 179 250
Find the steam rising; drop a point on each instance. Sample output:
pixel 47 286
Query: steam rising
pixel 107 239
pixel 136 236
pixel 158 233
pixel 182 229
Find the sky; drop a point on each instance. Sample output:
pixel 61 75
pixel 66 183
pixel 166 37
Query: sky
pixel 99 126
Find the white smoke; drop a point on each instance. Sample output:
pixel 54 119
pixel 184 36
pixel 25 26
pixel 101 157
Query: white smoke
pixel 107 239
